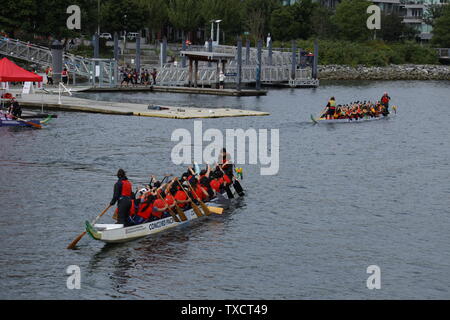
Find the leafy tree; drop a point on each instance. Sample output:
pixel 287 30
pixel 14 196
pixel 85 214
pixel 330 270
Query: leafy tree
pixel 293 22
pixel 281 23
pixel 257 16
pixel 157 13
pixel 441 33
pixel 303 11
pixel 351 18
pixel 229 11
pixel 393 29
pixel 322 23
pixel 432 12
pixel 183 14
pixel 128 15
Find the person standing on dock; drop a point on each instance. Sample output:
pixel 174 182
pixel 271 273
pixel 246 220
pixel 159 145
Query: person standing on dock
pixel 15 109
pixel 123 195
pixel 154 74
pixel 221 79
pixel 50 75
pixel 65 76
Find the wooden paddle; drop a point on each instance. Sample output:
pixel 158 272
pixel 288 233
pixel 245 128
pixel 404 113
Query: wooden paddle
pixel 36 125
pixel 216 210
pixel 202 204
pixel 174 216
pixel 74 242
pixel 194 206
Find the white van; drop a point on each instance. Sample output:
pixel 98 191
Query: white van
pixel 132 35
pixel 106 35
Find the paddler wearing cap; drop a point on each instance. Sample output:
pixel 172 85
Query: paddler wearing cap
pixel 123 194
pixel 15 108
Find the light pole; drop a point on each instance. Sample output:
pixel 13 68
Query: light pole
pixel 212 30
pixel 218 34
pixel 98 17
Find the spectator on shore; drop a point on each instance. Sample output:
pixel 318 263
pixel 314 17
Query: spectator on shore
pixel 124 78
pixel 49 73
pixel 221 79
pixel 65 76
pixel 154 74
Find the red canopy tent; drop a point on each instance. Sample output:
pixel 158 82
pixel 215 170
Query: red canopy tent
pixel 10 72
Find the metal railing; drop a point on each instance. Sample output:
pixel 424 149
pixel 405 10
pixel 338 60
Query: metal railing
pixel 106 70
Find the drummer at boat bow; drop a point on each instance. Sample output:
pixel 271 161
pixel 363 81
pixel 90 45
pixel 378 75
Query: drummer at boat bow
pixel 123 195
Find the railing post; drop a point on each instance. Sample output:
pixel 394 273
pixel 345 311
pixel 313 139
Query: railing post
pixel 315 60
pixel 210 49
pixel 57 60
pixel 183 48
pixel 239 64
pixel 138 53
pixel 247 52
pixel 270 52
pixel 294 59
pixel 258 66
pixel 116 46
pixel 96 44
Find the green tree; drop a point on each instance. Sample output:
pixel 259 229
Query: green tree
pixel 293 22
pixel 323 25
pixel 128 15
pixel 303 11
pixel 351 20
pixel 281 22
pixel 229 11
pixel 441 30
pixel 257 16
pixel 184 14
pixel 156 12
pixel 393 29
pixel 432 12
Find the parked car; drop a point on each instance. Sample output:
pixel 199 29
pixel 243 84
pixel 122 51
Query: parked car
pixel 106 35
pixel 132 35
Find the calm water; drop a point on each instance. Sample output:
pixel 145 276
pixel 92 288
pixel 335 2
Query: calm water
pixel 347 196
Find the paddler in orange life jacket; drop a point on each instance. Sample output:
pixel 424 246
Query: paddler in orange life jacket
pixel 227 167
pixel 123 195
pixel 331 108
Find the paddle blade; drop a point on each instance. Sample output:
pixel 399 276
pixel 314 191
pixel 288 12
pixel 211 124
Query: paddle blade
pixel 73 244
pixel 181 213
pixel 205 208
pixel 196 210
pixel 215 210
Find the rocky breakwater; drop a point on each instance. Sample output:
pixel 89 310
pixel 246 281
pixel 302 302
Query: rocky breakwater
pixel 391 72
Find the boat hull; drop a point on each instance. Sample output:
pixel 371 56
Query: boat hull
pixel 113 234
pixel 5 122
pixel 317 120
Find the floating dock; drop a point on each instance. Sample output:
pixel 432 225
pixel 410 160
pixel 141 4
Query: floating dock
pixel 176 89
pixel 51 102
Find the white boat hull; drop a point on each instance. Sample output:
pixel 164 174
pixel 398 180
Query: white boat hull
pixel 114 233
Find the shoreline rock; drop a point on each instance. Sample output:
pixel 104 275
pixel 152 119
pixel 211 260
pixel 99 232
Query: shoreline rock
pixel 391 72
